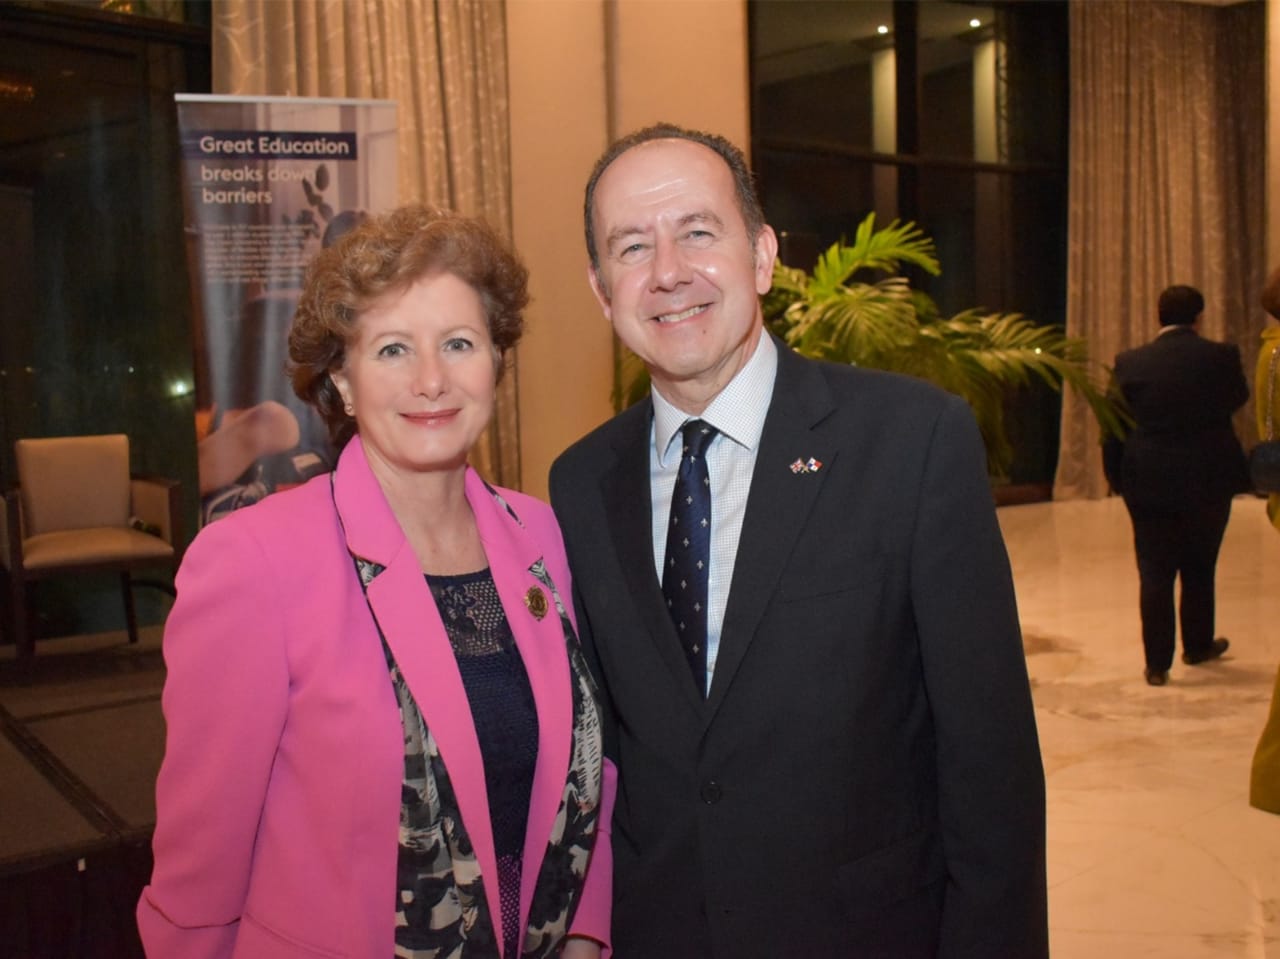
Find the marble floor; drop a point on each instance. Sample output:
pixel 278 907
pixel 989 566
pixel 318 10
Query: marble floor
pixel 1153 849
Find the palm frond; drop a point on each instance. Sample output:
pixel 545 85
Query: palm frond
pixel 789 285
pixel 630 379
pixel 858 325
pixel 883 250
pixel 887 248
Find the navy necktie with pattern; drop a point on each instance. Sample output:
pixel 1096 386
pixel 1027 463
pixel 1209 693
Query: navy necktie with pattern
pixel 688 556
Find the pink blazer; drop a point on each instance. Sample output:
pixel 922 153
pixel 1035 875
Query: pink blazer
pixel 278 802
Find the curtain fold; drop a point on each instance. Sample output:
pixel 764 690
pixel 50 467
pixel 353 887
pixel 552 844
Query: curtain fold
pixel 445 63
pixel 1166 181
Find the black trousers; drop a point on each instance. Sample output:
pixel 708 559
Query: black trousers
pixel 1173 544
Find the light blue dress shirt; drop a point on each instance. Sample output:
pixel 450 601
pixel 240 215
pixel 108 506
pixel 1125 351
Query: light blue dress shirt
pixel 738 412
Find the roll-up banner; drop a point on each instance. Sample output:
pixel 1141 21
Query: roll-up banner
pixel 268 181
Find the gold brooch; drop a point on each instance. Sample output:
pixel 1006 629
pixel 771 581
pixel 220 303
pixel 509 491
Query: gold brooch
pixel 536 600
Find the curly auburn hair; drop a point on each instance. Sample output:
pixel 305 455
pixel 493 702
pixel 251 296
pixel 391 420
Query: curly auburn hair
pixel 384 256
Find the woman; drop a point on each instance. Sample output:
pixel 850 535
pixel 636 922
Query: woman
pixel 382 739
pixel 1266 382
pixel 1264 777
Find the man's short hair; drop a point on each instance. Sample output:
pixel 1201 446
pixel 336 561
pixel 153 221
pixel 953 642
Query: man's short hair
pixel 743 181
pixel 1180 306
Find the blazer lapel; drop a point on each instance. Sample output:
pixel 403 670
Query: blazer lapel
pixel 406 613
pixel 778 507
pixel 512 552
pixel 628 501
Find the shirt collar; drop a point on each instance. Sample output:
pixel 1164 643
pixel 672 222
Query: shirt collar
pixel 738 410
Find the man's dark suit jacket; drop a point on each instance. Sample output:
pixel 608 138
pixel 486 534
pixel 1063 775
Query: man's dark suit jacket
pixel 1183 452
pixel 864 778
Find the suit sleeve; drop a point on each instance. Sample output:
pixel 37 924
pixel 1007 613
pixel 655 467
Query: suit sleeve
pixel 990 779
pixel 225 698
pixel 559 496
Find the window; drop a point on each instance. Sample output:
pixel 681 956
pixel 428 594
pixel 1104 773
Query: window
pixel 950 114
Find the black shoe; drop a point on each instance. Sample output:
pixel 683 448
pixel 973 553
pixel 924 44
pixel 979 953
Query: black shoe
pixel 1156 677
pixel 1216 649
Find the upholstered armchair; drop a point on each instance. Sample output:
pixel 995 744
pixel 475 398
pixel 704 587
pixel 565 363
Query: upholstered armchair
pixel 77 509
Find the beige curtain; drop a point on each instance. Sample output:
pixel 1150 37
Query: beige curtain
pixel 444 62
pixel 1166 185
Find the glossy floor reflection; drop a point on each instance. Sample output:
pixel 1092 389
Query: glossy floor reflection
pixel 1153 849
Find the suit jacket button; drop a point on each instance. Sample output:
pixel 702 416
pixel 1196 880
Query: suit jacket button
pixel 710 792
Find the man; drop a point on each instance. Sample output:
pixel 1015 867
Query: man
pixel 828 750
pixel 1182 465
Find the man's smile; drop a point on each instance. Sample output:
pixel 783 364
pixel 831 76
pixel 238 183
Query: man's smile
pixel 683 315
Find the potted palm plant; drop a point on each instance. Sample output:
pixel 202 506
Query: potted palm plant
pixel 842 312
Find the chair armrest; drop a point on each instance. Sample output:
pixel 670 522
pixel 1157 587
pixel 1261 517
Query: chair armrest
pixel 11 530
pixel 157 501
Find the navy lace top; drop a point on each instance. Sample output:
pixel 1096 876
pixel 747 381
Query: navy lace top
pixel 505 718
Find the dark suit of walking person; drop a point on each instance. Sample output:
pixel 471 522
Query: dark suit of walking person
pixel 843 759
pixel 1182 465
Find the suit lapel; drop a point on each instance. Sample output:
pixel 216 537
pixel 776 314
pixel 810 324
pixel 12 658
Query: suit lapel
pixel 628 504
pixel 778 507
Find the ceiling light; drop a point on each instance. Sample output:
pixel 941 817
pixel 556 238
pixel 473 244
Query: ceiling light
pixel 975 23
pixel 882 29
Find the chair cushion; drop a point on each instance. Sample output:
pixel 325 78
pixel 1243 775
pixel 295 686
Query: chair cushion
pixel 87 546
pixel 73 482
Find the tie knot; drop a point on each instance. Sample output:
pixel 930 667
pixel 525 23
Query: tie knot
pixel 698 434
